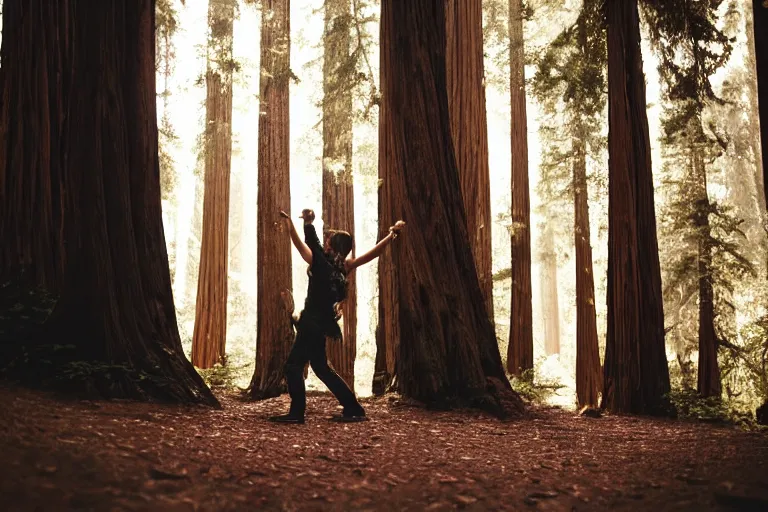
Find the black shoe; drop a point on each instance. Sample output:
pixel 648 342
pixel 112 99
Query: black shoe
pixel 351 416
pixel 287 418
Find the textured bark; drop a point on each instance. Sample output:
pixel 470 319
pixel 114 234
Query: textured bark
pixel 636 376
pixel 116 304
pixel 520 351
pixel 709 369
pixel 760 27
pixel 274 332
pixel 550 307
pixel 469 128
pixel 210 333
pixel 388 327
pixel 338 185
pixel 35 78
pixel 588 370
pixel 447 347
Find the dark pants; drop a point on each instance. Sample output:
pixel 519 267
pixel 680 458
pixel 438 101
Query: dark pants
pixel 310 347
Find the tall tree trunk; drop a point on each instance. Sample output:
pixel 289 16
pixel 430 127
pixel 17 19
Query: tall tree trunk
pixel 636 376
pixel 588 371
pixel 447 345
pixel 116 304
pixel 520 352
pixel 35 80
pixel 550 307
pixel 388 327
pixel 760 27
pixel 338 185
pixel 709 370
pixel 210 333
pixel 469 128
pixel 274 333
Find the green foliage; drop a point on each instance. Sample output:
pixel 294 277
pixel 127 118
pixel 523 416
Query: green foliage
pixel 690 406
pixel 570 85
pixel 225 375
pixel 532 389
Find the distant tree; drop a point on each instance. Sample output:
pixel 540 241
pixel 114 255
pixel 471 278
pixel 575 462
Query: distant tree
pixel 274 334
pixel 466 93
pixel 116 306
pixel 167 24
pixel 705 234
pixel 520 351
pixel 570 84
pixel 636 376
pixel 447 348
pixel 338 183
pixel 210 333
pixel 760 16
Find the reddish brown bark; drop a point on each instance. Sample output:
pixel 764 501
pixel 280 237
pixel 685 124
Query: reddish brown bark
pixel 709 370
pixel 35 71
pixel 636 376
pixel 210 332
pixel 209 338
pixel 338 185
pixel 448 347
pixel 520 351
pixel 274 333
pixel 466 102
pixel 388 327
pixel 588 370
pixel 116 305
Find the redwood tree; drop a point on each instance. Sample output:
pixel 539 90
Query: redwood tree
pixel 116 306
pixel 274 334
pixel 35 77
pixel 447 347
pixel 338 187
pixel 520 351
pixel 210 333
pixel 760 27
pixel 636 376
pixel 466 103
pixel 570 83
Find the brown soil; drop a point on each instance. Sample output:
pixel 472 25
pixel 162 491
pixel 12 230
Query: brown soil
pixel 84 455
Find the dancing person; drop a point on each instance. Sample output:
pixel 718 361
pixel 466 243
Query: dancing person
pixel 329 266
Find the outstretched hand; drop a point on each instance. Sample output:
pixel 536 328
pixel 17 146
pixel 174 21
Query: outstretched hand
pixel 395 230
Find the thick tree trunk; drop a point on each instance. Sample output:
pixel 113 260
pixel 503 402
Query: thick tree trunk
pixel 760 27
pixel 550 306
pixel 448 347
pixel 210 333
pixel 35 79
pixel 388 327
pixel 520 352
pixel 469 128
pixel 116 305
pixel 588 370
pixel 274 332
pixel 709 370
pixel 636 376
pixel 338 185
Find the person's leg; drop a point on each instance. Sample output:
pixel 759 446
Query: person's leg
pixel 336 385
pixel 294 376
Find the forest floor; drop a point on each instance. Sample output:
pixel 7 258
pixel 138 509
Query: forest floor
pixel 96 455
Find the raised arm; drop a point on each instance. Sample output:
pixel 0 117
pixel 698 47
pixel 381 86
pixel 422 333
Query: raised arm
pixel 394 232
pixel 304 250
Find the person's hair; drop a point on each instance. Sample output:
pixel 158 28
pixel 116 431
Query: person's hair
pixel 341 242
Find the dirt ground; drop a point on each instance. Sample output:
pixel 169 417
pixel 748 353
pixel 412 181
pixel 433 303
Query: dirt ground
pixel 85 455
